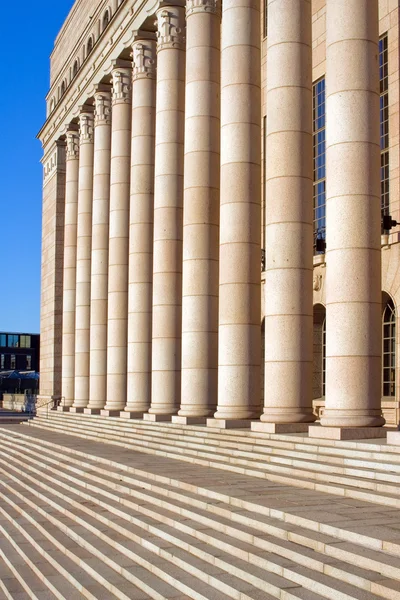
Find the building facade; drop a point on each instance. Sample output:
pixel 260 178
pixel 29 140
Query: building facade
pixel 220 206
pixel 19 351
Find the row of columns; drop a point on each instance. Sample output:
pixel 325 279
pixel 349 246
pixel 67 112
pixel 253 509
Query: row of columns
pixel 162 226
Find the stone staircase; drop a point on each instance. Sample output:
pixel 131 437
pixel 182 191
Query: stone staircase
pixel 94 507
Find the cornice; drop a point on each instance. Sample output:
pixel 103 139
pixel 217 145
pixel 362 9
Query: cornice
pixel 93 71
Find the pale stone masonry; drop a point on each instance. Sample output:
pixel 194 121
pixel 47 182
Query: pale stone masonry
pixel 178 146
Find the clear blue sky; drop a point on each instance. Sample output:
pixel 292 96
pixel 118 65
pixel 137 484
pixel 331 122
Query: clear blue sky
pixel 28 32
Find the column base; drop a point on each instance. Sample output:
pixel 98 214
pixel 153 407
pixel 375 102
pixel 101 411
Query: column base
pixel 63 408
pixel 105 412
pixel 127 414
pixel 229 423
pixel 393 438
pixel 189 420
pixel 156 418
pixel 76 409
pixel 261 427
pixel 91 411
pixel 346 433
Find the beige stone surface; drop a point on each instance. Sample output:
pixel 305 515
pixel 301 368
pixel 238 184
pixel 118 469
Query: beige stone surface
pixel 99 248
pixel 289 216
pixel 141 220
pixel 239 350
pixel 118 251
pixel 83 258
pixel 201 211
pixel 353 302
pixel 346 278
pixel 70 257
pixel 168 209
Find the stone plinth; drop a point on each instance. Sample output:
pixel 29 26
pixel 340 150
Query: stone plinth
pixel 229 423
pixel 346 433
pixel 127 414
pixel 188 420
pixel 393 438
pixel 156 418
pixel 262 427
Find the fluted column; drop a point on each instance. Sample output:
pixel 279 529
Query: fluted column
pixel 201 213
pixel 239 351
pixel 118 239
pixel 289 220
pixel 69 283
pixel 83 256
pixel 353 279
pixel 99 262
pixel 168 205
pixel 141 225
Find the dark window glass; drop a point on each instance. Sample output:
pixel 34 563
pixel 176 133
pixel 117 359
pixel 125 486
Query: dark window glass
pixel 384 122
pixel 2 361
pixel 319 147
pixel 13 341
pixel 29 362
pixel 265 18
pixel 3 340
pixel 13 362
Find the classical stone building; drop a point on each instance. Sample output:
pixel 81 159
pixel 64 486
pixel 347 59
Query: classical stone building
pixel 215 182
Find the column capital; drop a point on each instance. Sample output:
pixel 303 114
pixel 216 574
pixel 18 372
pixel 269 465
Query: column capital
pixel 144 51
pixel 72 139
pixel 203 6
pixel 170 27
pixel 102 105
pixel 86 124
pixel 122 82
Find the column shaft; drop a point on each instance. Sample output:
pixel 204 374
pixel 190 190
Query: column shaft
pixel 83 254
pixel 353 280
pixel 239 353
pixel 100 225
pixel 168 205
pixel 69 283
pixel 118 239
pixel 201 211
pixel 289 215
pixel 141 225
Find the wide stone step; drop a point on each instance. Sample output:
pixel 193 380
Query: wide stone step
pixel 177 565
pixel 330 517
pixel 322 583
pixel 377 450
pixel 90 577
pixel 347 465
pixel 345 523
pixel 341 485
pixel 31 560
pixel 262 451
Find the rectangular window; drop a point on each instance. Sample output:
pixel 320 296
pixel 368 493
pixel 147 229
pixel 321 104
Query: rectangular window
pixel 25 341
pixel 384 122
pixel 13 341
pixel 319 147
pixel 2 362
pixel 13 362
pixel 3 340
pixel 28 362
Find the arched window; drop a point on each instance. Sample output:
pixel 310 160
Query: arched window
pixel 106 19
pixel 63 89
pixel 75 69
pixel 52 105
pixel 89 46
pixel 389 349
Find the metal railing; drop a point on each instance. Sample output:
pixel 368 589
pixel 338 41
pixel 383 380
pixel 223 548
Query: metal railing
pixel 47 405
